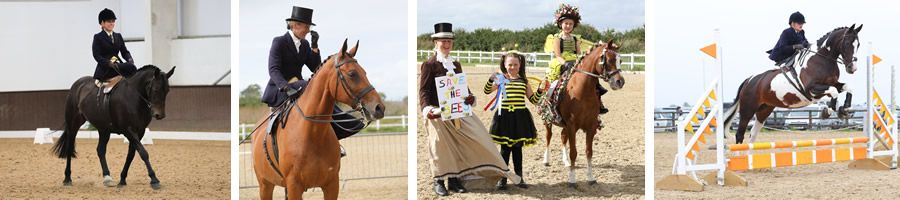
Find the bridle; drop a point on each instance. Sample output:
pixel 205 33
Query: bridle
pixel 149 92
pixel 840 44
pixel 355 103
pixel 604 73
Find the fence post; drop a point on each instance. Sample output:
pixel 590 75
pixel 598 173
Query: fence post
pixel 377 124
pixel 631 68
pixel 403 120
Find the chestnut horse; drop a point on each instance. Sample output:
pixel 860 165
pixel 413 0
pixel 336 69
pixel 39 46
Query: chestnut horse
pixel 579 106
pixel 818 74
pixel 310 155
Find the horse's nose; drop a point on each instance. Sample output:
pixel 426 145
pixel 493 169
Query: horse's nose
pixel 379 111
pixel 159 116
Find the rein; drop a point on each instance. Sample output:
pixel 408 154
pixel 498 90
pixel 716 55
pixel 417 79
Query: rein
pixel 604 74
pixel 149 104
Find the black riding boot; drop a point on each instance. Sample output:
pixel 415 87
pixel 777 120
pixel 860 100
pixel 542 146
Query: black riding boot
pixel 600 92
pixel 439 187
pixel 454 185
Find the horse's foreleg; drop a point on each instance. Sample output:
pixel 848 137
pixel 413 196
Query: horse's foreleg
pixel 101 154
pixel 265 189
pixel 294 190
pixel 131 150
pixel 589 152
pixel 573 153
pixel 132 136
pixel 565 150
pixel 547 149
pixel 331 189
pixel 843 111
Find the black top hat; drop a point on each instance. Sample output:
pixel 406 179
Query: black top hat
pixel 443 30
pixel 106 14
pixel 301 14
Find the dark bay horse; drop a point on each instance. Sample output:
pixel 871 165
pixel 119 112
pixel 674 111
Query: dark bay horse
pixel 579 106
pixel 310 155
pixel 133 103
pixel 760 94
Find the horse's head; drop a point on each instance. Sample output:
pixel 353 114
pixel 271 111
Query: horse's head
pixel 606 61
pixel 843 42
pixel 157 87
pixel 351 85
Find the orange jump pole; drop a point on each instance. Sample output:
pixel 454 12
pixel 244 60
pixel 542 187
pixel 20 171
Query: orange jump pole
pixel 794 144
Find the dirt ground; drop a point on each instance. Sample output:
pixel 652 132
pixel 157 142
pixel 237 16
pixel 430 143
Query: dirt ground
pixel 187 170
pixel 815 181
pixel 618 161
pixel 366 156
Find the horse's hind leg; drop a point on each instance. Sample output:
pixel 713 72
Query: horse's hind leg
pixel 589 152
pixel 265 189
pixel 132 136
pixel 565 139
pixel 101 154
pixel 74 120
pixel 547 149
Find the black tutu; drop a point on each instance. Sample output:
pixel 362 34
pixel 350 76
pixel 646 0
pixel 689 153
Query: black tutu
pixel 514 129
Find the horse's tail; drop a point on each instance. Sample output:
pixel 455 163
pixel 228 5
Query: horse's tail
pixel 731 112
pixel 65 146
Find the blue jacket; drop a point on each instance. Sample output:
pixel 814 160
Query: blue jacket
pixel 784 48
pixel 104 49
pixel 285 63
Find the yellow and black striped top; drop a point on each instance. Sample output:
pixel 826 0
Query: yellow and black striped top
pixel 515 94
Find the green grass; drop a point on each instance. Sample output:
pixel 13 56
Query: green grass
pixel 466 62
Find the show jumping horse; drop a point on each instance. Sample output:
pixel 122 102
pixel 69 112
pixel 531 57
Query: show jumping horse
pixel 579 106
pixel 310 154
pixel 818 77
pixel 134 102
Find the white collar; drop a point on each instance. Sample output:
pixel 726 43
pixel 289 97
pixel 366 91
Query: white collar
pixel 296 41
pixel 446 60
pixel 108 33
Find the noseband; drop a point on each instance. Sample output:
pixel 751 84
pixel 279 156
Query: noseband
pixel 604 73
pixel 356 99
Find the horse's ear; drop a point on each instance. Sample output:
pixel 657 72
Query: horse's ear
pixel 858 28
pixel 352 51
pixel 610 41
pixel 340 54
pixel 171 71
pixel 620 45
pixel 852 27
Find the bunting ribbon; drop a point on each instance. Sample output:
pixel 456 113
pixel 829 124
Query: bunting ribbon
pixel 501 81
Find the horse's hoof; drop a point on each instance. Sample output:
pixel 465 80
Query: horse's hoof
pixel 67 183
pixel 108 182
pixel 155 186
pixel 547 164
pixel 592 182
pixel 121 185
pixel 573 186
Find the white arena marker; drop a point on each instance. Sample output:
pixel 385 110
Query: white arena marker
pixel 43 135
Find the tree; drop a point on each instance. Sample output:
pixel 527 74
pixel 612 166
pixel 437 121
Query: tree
pixel 250 96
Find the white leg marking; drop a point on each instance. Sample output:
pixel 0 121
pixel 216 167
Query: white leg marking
pixel 832 91
pixel 571 175
pixel 847 88
pixel 757 126
pixel 566 157
pixel 546 155
pixel 590 171
pixel 107 181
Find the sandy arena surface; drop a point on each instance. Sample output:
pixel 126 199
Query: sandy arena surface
pixel 366 156
pixel 814 181
pixel 187 170
pixel 618 151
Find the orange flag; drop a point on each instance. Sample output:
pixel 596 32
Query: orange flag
pixel 709 50
pixel 875 59
pixel 712 94
pixel 702 139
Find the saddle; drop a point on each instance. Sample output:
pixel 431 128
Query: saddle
pixel 790 66
pixel 103 89
pixel 549 108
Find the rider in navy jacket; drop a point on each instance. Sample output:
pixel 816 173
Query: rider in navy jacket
pixel 108 44
pixel 791 39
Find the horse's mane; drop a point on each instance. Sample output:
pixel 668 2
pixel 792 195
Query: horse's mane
pixel 827 35
pixel 149 67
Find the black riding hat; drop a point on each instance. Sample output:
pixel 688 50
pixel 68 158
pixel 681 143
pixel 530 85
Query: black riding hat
pixel 797 17
pixel 301 14
pixel 106 14
pixel 443 30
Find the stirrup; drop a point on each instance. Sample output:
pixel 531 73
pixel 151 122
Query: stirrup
pixel 343 153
